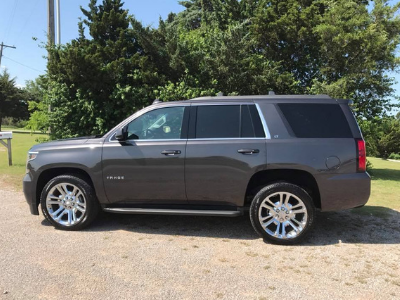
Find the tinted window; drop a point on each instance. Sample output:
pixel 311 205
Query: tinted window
pixel 255 117
pixel 216 121
pixel 316 120
pixel 251 125
pixel 247 128
pixel 163 123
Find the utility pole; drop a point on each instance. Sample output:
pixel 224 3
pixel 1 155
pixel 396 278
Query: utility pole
pixel 1 50
pixel 50 32
pixel 50 22
pixel 58 22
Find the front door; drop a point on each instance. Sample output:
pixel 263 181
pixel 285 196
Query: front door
pixel 149 166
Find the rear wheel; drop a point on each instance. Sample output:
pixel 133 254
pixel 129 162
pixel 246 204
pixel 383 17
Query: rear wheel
pixel 282 213
pixel 69 202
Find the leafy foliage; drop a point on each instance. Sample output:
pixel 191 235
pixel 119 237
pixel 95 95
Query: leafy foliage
pixel 96 82
pixel 38 104
pixel 382 136
pixel 12 99
pixel 338 47
pixel 394 156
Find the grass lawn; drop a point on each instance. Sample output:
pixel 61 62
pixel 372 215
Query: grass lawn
pixel 385 192
pixel 20 143
pixel 385 174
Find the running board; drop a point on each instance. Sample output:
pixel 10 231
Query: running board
pixel 183 212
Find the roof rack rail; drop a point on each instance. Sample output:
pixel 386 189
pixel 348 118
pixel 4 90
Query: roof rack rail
pixel 157 101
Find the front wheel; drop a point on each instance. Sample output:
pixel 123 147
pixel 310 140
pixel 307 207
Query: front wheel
pixel 282 213
pixel 69 202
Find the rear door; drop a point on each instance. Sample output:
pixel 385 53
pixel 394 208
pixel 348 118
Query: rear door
pixel 226 146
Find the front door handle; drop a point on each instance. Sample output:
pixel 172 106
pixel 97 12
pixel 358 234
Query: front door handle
pixel 171 152
pixel 248 151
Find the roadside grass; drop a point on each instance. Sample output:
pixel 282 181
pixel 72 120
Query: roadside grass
pixel 20 144
pixel 385 191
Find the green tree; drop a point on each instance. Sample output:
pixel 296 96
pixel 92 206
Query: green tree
pixel 358 48
pixel 343 48
pixel 12 103
pixel 389 141
pixel 96 82
pixel 38 104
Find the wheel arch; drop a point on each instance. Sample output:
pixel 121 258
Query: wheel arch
pixel 48 174
pixel 301 178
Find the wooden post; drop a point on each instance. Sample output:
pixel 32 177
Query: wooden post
pixel 9 152
pixel 5 140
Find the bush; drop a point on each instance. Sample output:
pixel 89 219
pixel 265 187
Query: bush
pixel 394 156
pixel 42 140
pixel 13 122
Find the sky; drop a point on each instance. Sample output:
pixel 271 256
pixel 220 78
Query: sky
pixel 21 20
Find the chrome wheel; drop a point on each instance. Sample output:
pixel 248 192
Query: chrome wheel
pixel 283 215
pixel 66 204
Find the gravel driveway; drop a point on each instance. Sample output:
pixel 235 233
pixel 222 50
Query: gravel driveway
pixel 169 257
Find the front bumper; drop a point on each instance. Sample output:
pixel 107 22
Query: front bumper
pixel 30 194
pixel 343 191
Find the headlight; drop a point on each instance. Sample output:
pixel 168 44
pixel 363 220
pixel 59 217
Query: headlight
pixel 32 155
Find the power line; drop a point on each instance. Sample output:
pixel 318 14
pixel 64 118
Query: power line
pixel 11 19
pixel 23 64
pixel 35 5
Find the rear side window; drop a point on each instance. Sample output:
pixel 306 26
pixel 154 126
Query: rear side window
pixel 216 121
pixel 316 120
pixel 228 121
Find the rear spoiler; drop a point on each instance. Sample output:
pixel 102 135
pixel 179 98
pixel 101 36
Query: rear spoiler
pixel 344 101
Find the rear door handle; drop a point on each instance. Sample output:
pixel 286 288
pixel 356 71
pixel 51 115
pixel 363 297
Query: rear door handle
pixel 248 151
pixel 171 152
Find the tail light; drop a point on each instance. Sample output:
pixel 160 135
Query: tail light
pixel 361 156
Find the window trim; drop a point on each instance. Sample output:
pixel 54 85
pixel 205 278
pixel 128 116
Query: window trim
pixel 192 112
pixel 263 122
pixel 193 121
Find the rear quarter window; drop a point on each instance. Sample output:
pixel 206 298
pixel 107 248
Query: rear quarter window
pixel 310 120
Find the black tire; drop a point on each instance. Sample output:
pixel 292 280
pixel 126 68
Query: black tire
pixel 282 215
pixel 88 197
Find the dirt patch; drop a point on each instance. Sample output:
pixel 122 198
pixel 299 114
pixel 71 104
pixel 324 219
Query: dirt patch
pixel 346 256
pixel 5 183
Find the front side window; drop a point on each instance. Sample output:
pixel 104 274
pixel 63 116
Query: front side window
pixel 163 123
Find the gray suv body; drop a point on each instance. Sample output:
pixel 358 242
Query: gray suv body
pixel 280 157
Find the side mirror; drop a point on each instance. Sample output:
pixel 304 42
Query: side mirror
pixel 120 134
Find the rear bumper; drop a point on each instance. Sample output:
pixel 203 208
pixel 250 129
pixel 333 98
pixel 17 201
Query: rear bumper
pixel 344 191
pixel 30 194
